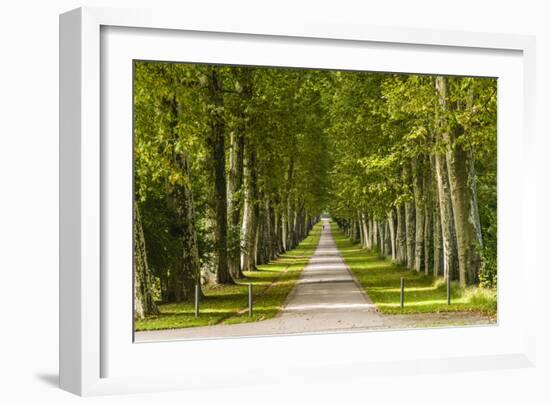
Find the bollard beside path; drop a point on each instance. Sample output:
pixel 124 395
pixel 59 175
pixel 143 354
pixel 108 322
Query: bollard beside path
pixel 197 300
pixel 250 300
pixel 402 292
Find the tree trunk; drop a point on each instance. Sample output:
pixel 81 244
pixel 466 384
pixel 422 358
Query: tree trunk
pixel 216 146
pixel 250 214
pixel 289 210
pixel 299 230
pixel 437 261
pixel 391 226
pixel 266 233
pixel 364 224
pixel 474 212
pixel 437 241
pixel 260 242
pixel 235 184
pixel 274 247
pixel 429 259
pixel 417 168
pixel 460 171
pixel 360 226
pixel 190 248
pixel 382 234
pixel 401 236
pixel 409 219
pixel 428 238
pixel 409 233
pixel 443 190
pixel 354 236
pixel 185 274
pixel 375 235
pixel 144 305
pixel 467 234
pixel 279 225
pixel 387 238
pixel 446 217
pixel 294 222
pixel 290 225
pixel 284 228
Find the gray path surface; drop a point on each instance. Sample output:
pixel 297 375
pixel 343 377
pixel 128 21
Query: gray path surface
pixel 326 298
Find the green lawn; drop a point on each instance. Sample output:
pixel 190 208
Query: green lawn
pixel 381 279
pixel 228 303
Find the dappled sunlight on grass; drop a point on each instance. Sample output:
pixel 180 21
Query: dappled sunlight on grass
pixel 381 279
pixel 228 303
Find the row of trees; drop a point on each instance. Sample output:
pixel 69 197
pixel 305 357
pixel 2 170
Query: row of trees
pixel 233 165
pixel 414 173
pixel 230 171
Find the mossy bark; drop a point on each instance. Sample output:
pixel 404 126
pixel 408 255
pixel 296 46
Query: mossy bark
pixel 250 213
pixel 144 305
pixel 360 226
pixel 448 230
pixel 185 273
pixel 461 175
pixel 366 236
pixel 215 140
pixel 274 249
pixel 419 209
pixel 392 231
pixel 401 236
pixel 234 202
pixel 409 234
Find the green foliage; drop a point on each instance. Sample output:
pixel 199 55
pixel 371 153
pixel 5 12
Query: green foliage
pixel 325 141
pixel 379 122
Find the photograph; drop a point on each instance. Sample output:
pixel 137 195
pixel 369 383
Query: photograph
pixel 273 202
pixel 283 200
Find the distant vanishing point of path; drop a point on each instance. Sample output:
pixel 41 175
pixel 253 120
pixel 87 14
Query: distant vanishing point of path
pixel 326 298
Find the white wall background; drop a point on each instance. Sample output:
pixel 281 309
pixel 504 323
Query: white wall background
pixel 29 201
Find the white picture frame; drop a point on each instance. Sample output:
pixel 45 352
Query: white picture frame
pixel 93 339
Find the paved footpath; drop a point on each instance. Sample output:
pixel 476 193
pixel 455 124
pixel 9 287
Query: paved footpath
pixel 326 298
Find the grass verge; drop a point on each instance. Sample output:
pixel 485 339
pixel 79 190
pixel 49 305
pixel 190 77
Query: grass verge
pixel 227 303
pixel 423 294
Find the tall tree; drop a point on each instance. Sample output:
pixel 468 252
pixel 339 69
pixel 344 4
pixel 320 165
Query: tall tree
pixel 244 90
pixel 462 191
pixel 251 211
pixel 215 140
pixel 144 305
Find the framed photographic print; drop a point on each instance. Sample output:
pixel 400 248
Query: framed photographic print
pixel 250 196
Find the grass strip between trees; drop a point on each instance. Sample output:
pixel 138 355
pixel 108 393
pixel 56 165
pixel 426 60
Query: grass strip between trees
pixel 423 294
pixel 228 303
